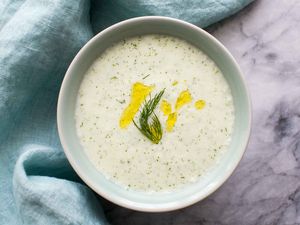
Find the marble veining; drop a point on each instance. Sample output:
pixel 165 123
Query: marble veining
pixel 265 188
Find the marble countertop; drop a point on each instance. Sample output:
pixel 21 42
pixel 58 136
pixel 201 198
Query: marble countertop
pixel 265 189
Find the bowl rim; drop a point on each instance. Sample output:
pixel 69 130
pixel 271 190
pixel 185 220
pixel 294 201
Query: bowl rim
pixel 145 207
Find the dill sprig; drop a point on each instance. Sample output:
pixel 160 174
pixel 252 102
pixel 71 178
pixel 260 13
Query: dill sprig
pixel 149 123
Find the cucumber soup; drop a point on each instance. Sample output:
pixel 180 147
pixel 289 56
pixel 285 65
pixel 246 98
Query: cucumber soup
pixel 154 113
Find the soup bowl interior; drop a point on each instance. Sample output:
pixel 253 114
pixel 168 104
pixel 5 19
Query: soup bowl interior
pixel 191 193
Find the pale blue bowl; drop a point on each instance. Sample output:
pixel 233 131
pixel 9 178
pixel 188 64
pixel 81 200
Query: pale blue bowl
pixel 138 200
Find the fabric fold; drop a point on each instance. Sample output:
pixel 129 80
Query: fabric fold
pixel 199 12
pixel 47 190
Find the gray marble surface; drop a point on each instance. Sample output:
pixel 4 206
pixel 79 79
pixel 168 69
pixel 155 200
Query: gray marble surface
pixel 265 188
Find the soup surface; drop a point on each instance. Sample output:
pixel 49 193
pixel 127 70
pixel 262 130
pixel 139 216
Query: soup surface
pixel 195 111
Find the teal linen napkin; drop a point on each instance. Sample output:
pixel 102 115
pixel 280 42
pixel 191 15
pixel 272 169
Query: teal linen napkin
pixel 38 40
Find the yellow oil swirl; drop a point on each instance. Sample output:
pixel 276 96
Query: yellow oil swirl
pixel 171 120
pixel 200 104
pixel 175 83
pixel 183 98
pixel 139 92
pixel 165 107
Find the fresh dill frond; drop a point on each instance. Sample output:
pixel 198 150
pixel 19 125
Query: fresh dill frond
pixel 150 125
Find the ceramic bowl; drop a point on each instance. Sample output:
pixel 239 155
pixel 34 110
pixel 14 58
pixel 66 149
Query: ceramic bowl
pixel 191 193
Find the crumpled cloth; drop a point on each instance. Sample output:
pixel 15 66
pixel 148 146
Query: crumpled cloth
pixel 38 39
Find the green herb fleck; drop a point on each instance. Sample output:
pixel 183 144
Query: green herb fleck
pixel 145 77
pixel 152 130
pixel 121 101
pixel 114 78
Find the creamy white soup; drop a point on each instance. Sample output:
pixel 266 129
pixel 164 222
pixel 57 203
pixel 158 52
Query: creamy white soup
pixel 177 143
